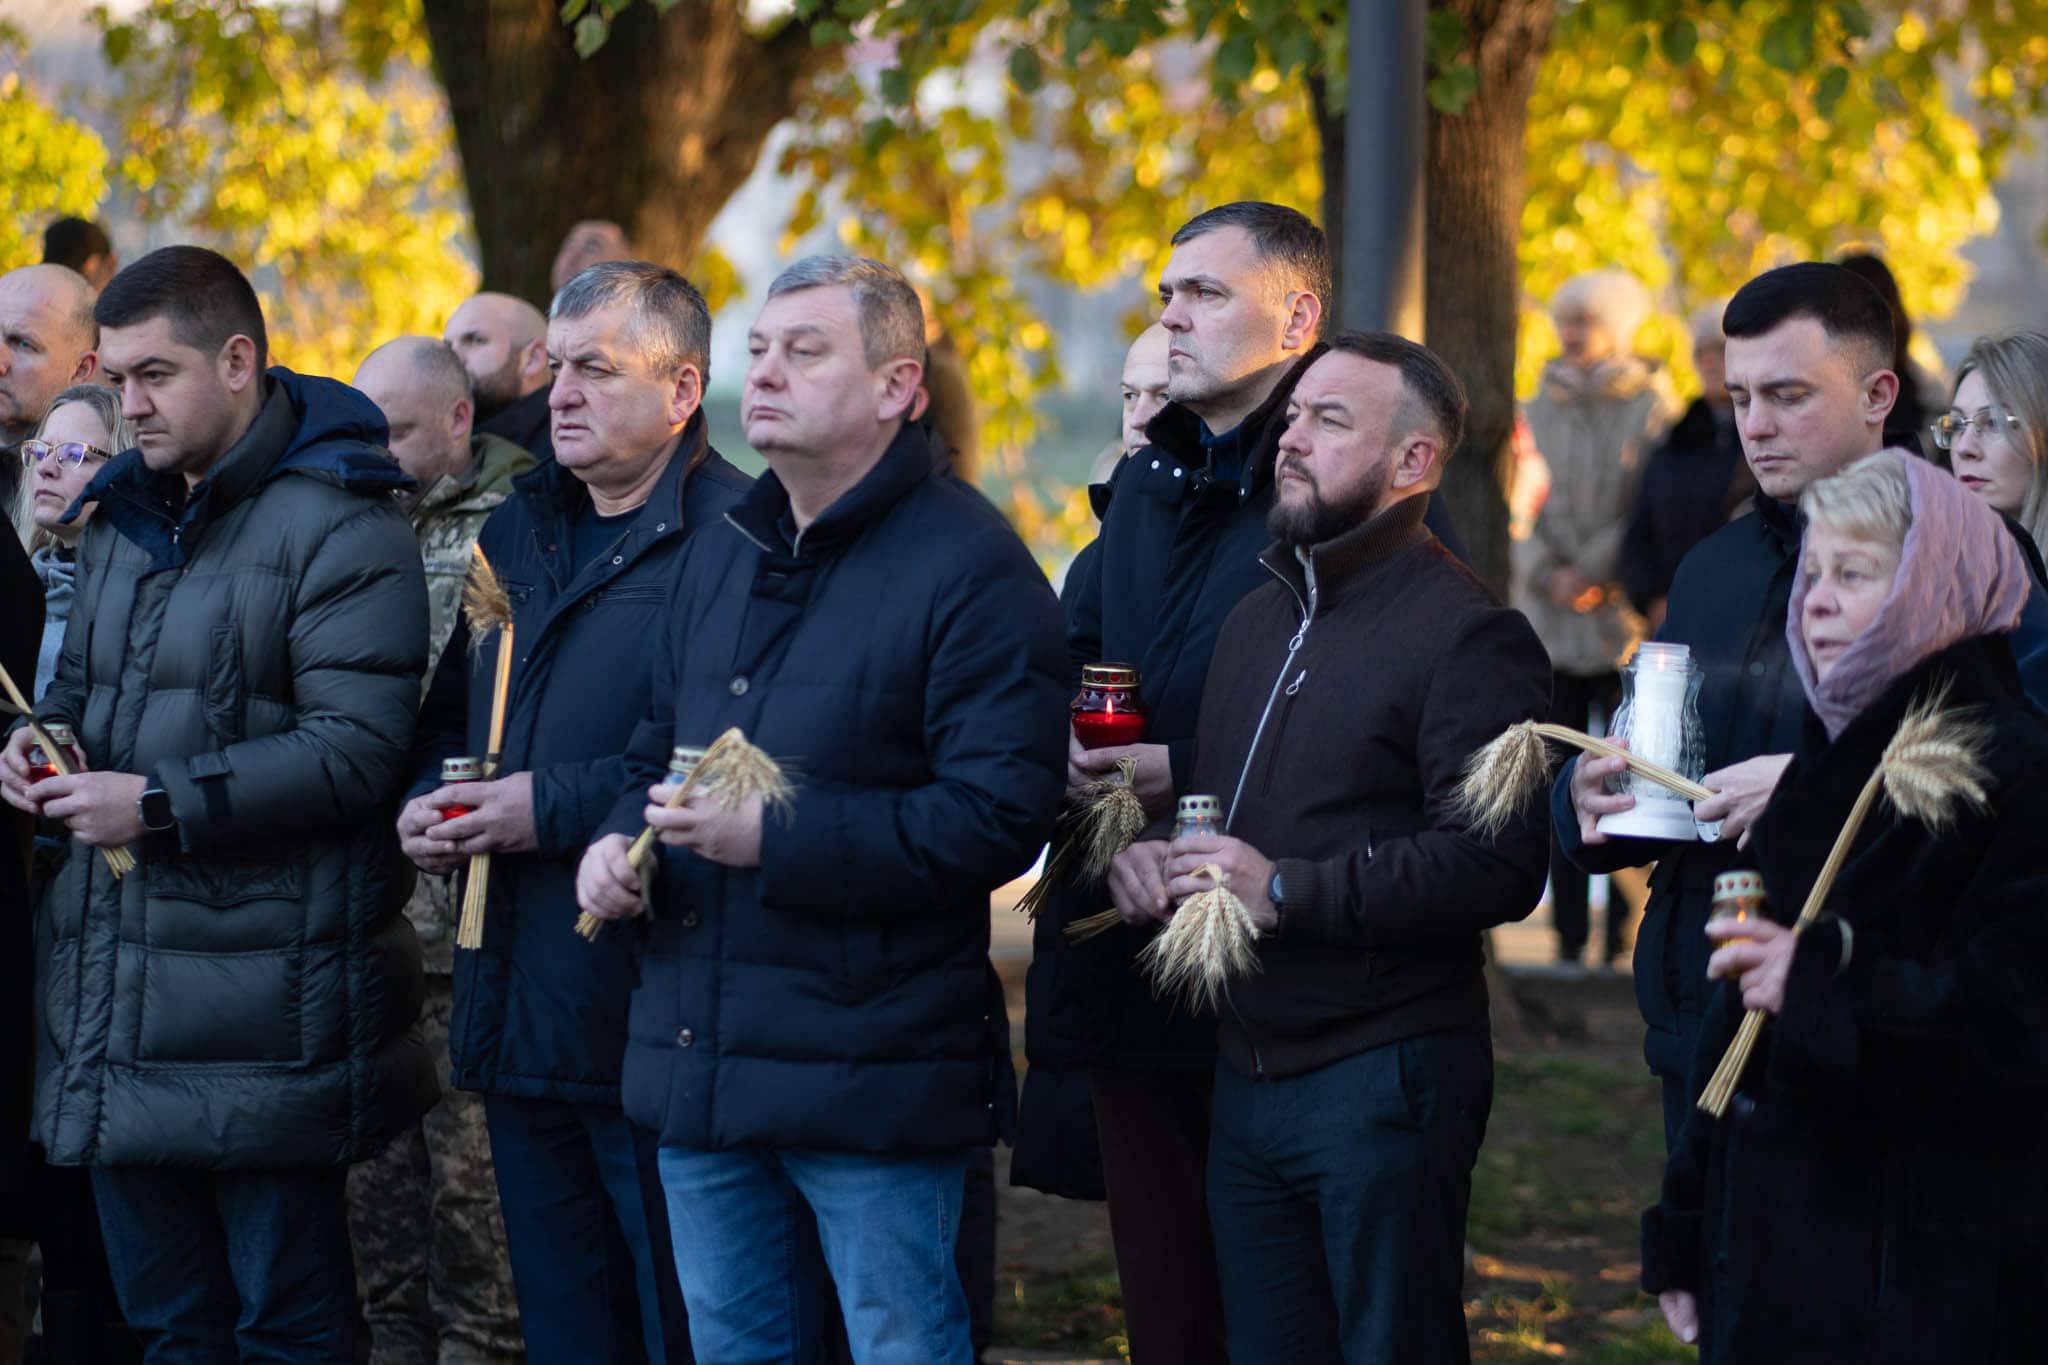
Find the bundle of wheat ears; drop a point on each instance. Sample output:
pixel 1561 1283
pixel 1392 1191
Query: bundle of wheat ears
pixel 1206 943
pixel 487 607
pixel 1103 818
pixel 1933 765
pixel 1500 778
pixel 731 772
pixel 120 861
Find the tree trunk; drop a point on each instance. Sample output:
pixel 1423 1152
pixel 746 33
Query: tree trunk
pixel 1472 274
pixel 655 130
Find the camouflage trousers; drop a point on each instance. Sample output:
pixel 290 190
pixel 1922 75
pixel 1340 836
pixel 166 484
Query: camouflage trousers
pixel 429 1237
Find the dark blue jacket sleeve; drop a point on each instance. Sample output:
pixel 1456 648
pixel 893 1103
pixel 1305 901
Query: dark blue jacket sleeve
pixel 995 735
pixel 444 714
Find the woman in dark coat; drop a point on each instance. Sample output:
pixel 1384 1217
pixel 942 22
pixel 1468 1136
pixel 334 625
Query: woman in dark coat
pixel 1875 1191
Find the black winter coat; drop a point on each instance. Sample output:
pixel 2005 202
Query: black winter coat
pixel 247 997
pixel 525 422
pixel 21 633
pixel 1178 549
pixel 1693 484
pixel 1876 1191
pixel 902 657
pixel 540 1014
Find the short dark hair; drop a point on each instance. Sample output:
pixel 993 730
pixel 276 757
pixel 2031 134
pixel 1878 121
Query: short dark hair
pixel 1852 313
pixel 74 241
pixel 1434 397
pixel 206 297
pixel 1282 235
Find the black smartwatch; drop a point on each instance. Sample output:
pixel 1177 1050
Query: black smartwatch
pixel 1273 895
pixel 155 807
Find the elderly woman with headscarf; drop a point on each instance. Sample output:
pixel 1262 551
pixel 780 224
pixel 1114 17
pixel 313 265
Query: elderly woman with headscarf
pixel 1875 1190
pixel 1599 413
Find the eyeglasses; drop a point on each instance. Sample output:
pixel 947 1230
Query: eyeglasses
pixel 1949 428
pixel 34 453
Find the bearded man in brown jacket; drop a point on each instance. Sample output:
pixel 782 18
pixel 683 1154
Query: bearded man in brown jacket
pixel 1343 702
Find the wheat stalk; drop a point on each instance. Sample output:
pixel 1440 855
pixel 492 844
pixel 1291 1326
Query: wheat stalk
pixel 1501 776
pixel 1208 941
pixel 1104 818
pixel 1093 926
pixel 119 861
pixel 732 772
pixel 488 607
pixel 1933 765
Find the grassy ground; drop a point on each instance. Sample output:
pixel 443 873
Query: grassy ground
pixel 1572 1155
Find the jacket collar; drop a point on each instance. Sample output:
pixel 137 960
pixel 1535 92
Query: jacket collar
pixel 494 462
pixel 1341 559
pixel 1780 522
pixel 558 493
pixel 1253 444
pixel 761 515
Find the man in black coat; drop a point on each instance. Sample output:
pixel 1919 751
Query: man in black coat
pixel 1183 523
pixel 1809 356
pixel 503 343
pixel 816 1022
pixel 21 632
pixel 586 548
pixel 1339 714
pixel 1695 482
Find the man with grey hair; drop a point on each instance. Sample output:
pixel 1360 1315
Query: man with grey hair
pixel 816 1016
pixel 423 1213
pixel 586 548
pixel 503 342
pixel 48 341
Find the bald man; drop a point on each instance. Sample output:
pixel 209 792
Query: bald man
pixel 589 243
pixel 423 1214
pixel 503 343
pixel 48 342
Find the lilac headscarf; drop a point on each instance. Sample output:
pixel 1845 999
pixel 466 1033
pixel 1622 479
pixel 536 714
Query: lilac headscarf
pixel 1960 575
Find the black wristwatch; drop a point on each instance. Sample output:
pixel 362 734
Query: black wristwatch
pixel 155 807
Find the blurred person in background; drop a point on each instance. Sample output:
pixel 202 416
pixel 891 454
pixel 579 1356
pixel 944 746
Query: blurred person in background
pixel 1906 428
pixel 81 245
pixel 503 342
pixel 1695 483
pixel 48 341
pixel 591 242
pixel 1597 416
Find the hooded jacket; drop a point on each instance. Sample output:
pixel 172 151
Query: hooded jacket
pixel 247 996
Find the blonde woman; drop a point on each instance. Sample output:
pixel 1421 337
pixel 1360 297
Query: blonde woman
pixel 84 430
pixel 1995 432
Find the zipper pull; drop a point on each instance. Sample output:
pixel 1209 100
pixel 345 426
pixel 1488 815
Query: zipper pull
pixel 1295 686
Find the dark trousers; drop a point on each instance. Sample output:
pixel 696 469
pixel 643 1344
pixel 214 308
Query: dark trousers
pixel 80 1312
pixel 1339 1201
pixel 1154 1130
pixel 222 1266
pixel 587 1228
pixel 1572 702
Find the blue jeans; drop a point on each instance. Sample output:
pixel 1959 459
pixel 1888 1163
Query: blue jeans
pixel 1338 1199
pixel 224 1266
pixel 587 1233
pixel 887 1226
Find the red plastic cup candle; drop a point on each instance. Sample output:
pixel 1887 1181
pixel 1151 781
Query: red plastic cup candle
pixel 460 770
pixel 42 764
pixel 1107 711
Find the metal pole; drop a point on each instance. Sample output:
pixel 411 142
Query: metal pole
pixel 1384 144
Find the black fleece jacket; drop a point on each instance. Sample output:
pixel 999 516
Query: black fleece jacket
pixel 1342 704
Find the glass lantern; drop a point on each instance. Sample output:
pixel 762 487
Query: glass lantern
pixel 1660 719
pixel 1107 711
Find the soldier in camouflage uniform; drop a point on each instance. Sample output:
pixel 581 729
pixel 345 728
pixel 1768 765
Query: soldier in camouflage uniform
pixel 429 1237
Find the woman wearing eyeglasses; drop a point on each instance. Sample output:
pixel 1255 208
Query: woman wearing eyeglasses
pixel 1995 434
pixel 84 429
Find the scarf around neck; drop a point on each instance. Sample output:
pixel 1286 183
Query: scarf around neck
pixel 1960 575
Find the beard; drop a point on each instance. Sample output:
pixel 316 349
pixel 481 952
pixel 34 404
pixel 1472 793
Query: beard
pixel 1314 519
pixel 496 389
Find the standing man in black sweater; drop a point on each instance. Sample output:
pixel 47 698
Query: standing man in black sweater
pixel 1341 707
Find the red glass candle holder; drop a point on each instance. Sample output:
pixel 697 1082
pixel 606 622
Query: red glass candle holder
pixel 1107 711
pixel 464 769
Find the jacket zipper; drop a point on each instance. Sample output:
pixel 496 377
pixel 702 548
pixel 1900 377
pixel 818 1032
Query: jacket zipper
pixel 1308 614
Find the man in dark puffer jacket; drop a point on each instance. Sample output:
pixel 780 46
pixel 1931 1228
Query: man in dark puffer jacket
pixel 223 1030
